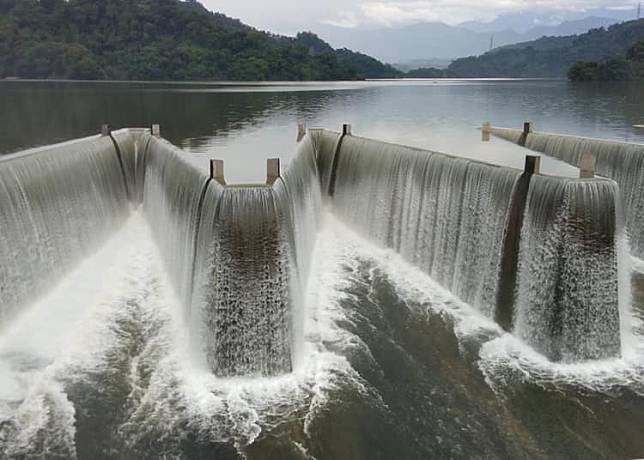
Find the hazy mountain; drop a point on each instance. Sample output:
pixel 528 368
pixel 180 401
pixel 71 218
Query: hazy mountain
pixel 522 22
pixel 422 63
pixel 428 41
pixel 417 41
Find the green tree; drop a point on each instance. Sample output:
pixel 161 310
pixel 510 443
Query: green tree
pixel 615 70
pixel 160 40
pixel 79 63
pixel 583 71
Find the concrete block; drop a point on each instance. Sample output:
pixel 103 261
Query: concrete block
pixel 301 131
pixel 587 166
pixel 272 170
pixel 217 171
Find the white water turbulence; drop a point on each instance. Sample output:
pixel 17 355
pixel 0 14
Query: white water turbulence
pixel 568 291
pixel 299 200
pixel 238 257
pixel 252 264
pixel 621 161
pixel 443 214
pixel 455 219
pixel 171 203
pixel 57 205
pixel 247 302
pixel 66 337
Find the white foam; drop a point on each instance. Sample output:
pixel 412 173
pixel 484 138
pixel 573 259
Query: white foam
pixel 500 352
pixel 182 391
pixel 42 346
pixel 637 264
pixel 71 331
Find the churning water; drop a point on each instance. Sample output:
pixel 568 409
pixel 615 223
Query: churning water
pixel 102 367
pixel 346 312
pixel 450 217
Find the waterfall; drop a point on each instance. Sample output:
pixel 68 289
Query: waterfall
pixel 58 204
pixel 620 161
pixel 238 256
pixel 298 197
pixel 324 143
pixel 171 202
pixel 131 145
pixel 298 194
pixel 445 215
pixel 247 302
pixel 456 219
pixel 568 303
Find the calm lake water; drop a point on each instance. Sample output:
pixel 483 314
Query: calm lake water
pixel 395 367
pixel 231 121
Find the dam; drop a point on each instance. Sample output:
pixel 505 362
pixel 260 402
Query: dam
pixel 620 161
pixel 539 254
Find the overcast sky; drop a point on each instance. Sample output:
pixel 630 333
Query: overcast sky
pixel 289 16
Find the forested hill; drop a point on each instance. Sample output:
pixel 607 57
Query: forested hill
pixel 551 56
pixel 160 40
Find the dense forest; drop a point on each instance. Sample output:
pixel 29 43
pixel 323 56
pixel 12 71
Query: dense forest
pixel 622 68
pixel 161 40
pixel 551 56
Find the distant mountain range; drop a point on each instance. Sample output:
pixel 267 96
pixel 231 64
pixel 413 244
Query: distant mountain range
pixel 523 21
pixel 429 42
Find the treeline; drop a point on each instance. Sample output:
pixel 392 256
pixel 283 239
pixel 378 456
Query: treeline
pixel 161 40
pixel 623 68
pixel 550 56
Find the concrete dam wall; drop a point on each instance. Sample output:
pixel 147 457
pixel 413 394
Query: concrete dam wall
pixel 621 161
pixel 536 253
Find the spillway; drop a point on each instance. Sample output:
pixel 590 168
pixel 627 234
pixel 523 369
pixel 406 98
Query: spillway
pixel 57 205
pixel 620 161
pixel 453 218
pixel 537 253
pixel 443 214
pixel 238 256
pixel 567 292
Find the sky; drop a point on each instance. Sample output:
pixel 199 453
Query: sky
pixel 290 16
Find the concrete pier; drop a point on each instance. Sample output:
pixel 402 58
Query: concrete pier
pixel 527 129
pixel 272 170
pixel 509 260
pixel 587 166
pixel 486 131
pixel 301 131
pixel 217 171
pixel 346 131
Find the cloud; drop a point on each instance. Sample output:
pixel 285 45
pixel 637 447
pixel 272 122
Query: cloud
pixel 287 16
pixel 451 12
pixel 397 12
